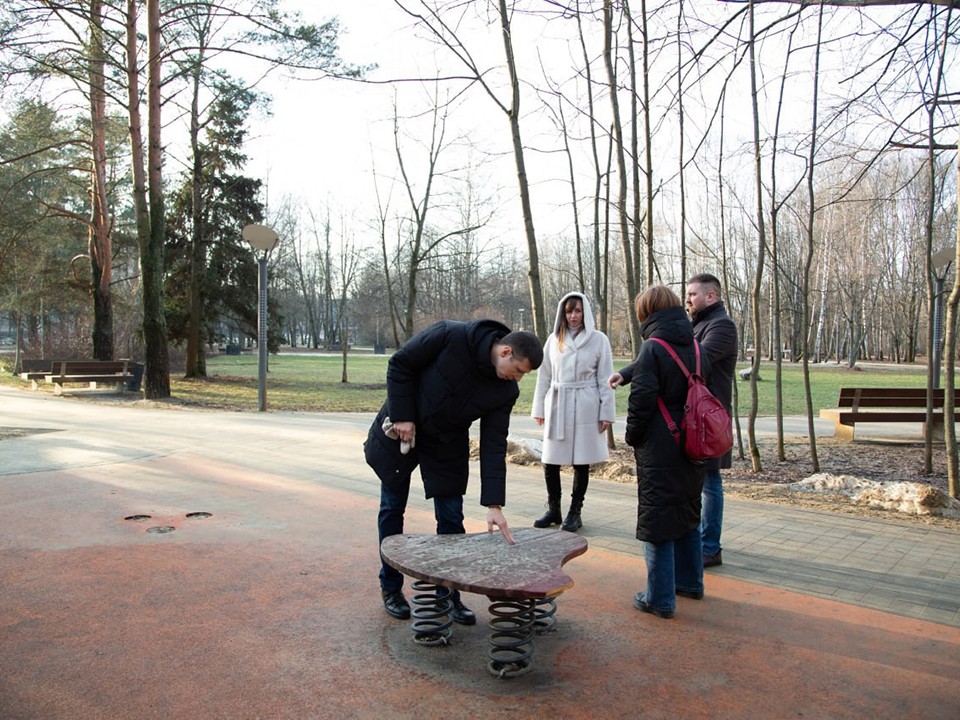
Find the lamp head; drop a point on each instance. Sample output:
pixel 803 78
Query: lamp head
pixel 260 237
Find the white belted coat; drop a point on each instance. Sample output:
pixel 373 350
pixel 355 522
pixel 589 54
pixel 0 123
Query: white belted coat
pixel 572 394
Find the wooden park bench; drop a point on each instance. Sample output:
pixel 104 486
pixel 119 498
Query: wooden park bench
pixel 90 373
pixel 521 581
pixel 34 370
pixel 884 405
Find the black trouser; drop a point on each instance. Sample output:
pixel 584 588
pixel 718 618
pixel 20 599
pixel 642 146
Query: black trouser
pixel 581 478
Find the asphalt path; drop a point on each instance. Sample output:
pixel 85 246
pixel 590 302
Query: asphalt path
pixel 269 606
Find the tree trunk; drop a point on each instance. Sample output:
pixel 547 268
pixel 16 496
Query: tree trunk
pixel 194 362
pixel 808 261
pixel 680 164
pixel 99 243
pixel 761 253
pixel 344 339
pixel 949 354
pixel 648 144
pixel 541 326
pixel 157 370
pixel 599 255
pixel 628 265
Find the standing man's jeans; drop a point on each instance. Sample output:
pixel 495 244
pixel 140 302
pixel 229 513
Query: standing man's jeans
pixel 393 503
pixel 671 566
pixel 711 518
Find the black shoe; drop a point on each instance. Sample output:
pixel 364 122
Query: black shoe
pixel 690 594
pixel 461 613
pixel 396 604
pixel 713 560
pixel 572 522
pixel 551 517
pixel 640 604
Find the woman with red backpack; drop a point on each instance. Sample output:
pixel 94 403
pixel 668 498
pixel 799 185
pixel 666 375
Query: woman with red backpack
pixel 668 482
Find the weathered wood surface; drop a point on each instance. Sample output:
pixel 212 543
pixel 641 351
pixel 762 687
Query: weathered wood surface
pixel 886 406
pixel 487 564
pixel 890 397
pixel 33 370
pixel 89 372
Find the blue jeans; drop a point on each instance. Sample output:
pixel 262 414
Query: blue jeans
pixel 711 517
pixel 393 503
pixel 671 566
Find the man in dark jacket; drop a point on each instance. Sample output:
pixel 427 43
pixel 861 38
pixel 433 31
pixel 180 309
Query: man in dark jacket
pixel 438 383
pixel 717 335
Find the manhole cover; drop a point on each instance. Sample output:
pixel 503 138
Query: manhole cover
pixel 137 518
pixel 199 515
pixel 161 529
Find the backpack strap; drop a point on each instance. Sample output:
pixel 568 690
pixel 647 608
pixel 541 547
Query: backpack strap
pixel 669 348
pixel 671 425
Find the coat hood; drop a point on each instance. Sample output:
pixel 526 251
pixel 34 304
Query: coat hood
pixel 671 324
pixel 589 325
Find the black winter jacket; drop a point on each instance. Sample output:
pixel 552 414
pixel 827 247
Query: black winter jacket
pixel 668 483
pixel 443 380
pixel 717 335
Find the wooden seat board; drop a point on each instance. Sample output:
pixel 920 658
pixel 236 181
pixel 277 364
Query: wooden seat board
pixel 485 563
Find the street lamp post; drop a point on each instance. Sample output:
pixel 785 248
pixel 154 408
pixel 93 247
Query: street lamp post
pixel 263 239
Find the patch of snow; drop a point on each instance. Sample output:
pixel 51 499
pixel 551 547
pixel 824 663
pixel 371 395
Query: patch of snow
pixel 905 497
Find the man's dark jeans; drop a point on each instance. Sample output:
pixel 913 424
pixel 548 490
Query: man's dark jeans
pixel 393 503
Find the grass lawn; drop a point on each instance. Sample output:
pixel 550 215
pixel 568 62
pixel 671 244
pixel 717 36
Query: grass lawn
pixel 309 382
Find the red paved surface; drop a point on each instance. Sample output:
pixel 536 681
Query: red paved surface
pixel 270 609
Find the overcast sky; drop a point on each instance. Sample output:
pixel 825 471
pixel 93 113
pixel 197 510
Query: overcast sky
pixel 323 137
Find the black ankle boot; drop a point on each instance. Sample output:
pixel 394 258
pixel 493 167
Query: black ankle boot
pixel 572 522
pixel 551 517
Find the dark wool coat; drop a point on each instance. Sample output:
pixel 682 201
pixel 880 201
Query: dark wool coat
pixel 668 483
pixel 443 380
pixel 717 335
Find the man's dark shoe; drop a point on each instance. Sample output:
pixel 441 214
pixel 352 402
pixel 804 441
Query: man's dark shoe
pixel 640 604
pixel 690 594
pixel 396 604
pixel 713 560
pixel 461 613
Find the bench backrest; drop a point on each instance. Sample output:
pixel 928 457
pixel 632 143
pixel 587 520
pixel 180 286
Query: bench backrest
pixel 64 368
pixel 891 397
pixel 35 365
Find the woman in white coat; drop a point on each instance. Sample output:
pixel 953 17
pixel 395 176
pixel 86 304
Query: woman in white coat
pixel 573 404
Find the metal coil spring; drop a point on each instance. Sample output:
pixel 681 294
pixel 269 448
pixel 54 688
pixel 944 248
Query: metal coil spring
pixel 513 627
pixel 545 616
pixel 431 614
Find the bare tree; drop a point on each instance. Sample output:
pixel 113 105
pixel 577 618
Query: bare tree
pixel 600 253
pixel 950 353
pixel 349 262
pixel 148 194
pixel 620 155
pixel 808 263
pixel 433 21
pixel 761 248
pixel 423 243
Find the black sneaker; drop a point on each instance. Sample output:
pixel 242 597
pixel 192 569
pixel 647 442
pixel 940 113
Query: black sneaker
pixel 713 560
pixel 642 605
pixel 396 604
